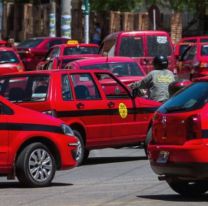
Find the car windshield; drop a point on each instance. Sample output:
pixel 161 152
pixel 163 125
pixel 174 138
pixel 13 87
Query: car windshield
pixel 118 69
pixel 30 43
pixel 8 57
pixel 187 99
pixel 158 45
pixel 80 50
pixel 25 88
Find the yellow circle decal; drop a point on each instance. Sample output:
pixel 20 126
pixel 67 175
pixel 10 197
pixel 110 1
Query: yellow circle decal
pixel 122 110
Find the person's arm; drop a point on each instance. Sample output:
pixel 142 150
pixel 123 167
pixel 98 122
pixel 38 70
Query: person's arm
pixel 143 84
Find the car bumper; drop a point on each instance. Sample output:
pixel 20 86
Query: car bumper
pixel 186 161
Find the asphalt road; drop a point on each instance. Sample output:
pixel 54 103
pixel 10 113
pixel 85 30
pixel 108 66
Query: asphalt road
pixel 111 177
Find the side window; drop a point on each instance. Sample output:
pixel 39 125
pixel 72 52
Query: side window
pixel 54 53
pixel 108 47
pixel 84 87
pixel 66 89
pixel 190 53
pixel 112 88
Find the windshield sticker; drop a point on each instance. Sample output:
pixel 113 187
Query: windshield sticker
pixel 162 39
pixel 122 110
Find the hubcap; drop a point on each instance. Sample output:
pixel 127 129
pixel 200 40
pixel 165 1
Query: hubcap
pixel 40 165
pixel 79 150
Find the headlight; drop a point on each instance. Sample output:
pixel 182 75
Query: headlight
pixel 67 130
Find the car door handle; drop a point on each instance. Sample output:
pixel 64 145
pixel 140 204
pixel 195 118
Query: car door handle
pixel 111 104
pixel 80 105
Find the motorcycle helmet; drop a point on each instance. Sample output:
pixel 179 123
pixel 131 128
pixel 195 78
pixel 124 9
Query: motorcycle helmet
pixel 177 85
pixel 160 62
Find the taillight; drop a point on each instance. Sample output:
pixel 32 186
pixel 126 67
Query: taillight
pixel 20 68
pixel 193 127
pixel 203 65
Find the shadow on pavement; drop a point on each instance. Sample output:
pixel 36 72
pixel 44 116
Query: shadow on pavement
pixel 175 198
pixel 19 185
pixel 104 160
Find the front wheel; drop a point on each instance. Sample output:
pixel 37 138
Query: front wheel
pixel 82 153
pixel 188 188
pixel 35 165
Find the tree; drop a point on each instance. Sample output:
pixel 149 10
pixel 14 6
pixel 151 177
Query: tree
pixel 113 5
pixel 178 7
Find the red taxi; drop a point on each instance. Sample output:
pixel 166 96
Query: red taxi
pixel 178 150
pixel 125 68
pixel 33 145
pixel 99 108
pixel 72 48
pixel 194 61
pixel 33 50
pixel 10 61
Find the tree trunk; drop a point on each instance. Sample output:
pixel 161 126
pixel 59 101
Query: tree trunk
pixel 176 26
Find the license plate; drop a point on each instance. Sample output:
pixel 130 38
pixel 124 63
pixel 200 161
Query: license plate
pixel 163 157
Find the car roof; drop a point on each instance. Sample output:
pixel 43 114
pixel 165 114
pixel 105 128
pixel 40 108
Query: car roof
pixel 7 49
pixel 102 59
pixel 76 45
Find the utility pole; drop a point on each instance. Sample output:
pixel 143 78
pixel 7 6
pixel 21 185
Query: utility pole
pixel 66 18
pixel 86 12
pixel 1 18
pixel 52 19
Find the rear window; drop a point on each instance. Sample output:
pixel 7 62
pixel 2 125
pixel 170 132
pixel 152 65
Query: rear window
pixel 187 99
pixel 158 45
pixel 80 50
pixel 25 88
pixel 118 69
pixel 131 46
pixel 30 43
pixel 8 57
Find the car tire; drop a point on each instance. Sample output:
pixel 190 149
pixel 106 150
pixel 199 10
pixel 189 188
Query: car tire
pixel 35 166
pixel 81 153
pixel 147 140
pixel 188 188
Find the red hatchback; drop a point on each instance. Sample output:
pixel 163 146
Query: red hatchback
pixel 125 68
pixel 72 50
pixel 33 50
pixel 33 145
pixel 178 150
pixel 10 61
pixel 98 107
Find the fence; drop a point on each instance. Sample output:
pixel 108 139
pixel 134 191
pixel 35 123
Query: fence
pixel 22 21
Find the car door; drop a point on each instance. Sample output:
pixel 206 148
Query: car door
pixel 126 123
pixel 82 104
pixel 4 139
pixel 187 64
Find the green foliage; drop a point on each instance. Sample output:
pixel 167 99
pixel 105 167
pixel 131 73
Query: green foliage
pixel 113 5
pixel 129 5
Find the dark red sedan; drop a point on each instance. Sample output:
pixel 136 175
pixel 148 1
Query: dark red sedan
pixel 33 50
